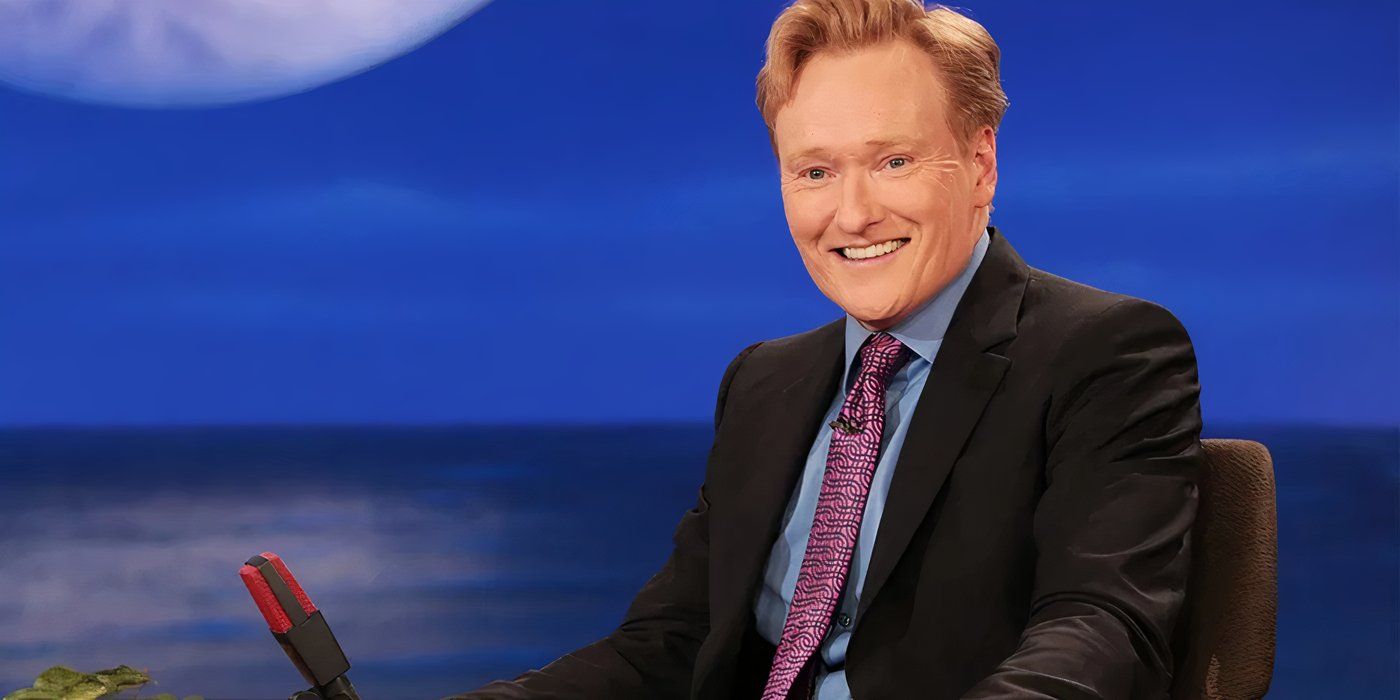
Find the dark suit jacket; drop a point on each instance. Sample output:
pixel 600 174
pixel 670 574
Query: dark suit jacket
pixel 1035 540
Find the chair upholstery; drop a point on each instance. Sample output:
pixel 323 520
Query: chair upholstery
pixel 1223 644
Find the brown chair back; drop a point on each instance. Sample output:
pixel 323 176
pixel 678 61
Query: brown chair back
pixel 1223 644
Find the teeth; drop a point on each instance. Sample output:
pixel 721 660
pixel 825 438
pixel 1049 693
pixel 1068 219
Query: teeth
pixel 873 251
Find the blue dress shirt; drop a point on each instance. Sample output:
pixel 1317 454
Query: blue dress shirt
pixel 923 332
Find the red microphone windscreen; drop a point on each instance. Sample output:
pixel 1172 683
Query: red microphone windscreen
pixel 291 582
pixel 276 618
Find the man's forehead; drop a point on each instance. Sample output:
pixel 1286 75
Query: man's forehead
pixel 861 122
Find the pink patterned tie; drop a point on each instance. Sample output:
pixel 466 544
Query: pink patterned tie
pixel 850 466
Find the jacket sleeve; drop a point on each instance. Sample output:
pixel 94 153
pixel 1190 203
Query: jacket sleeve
pixel 1112 529
pixel 652 653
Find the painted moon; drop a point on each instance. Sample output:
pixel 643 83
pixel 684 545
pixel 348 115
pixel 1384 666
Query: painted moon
pixel 195 53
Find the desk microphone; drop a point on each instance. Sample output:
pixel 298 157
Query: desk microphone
pixel 299 627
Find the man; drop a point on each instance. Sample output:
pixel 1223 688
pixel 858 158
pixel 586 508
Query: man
pixel 979 483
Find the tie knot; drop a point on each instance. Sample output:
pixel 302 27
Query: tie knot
pixel 882 354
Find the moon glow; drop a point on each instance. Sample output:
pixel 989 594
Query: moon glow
pixel 199 53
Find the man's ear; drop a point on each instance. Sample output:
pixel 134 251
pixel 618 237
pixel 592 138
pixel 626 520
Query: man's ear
pixel 984 160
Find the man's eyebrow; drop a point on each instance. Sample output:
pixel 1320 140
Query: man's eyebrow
pixel 880 142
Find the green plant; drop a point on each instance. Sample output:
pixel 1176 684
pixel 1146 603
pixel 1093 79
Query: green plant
pixel 63 683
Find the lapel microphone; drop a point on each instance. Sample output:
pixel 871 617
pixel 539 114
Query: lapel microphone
pixel 842 425
pixel 298 626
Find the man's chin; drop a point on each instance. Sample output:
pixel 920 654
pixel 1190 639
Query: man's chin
pixel 874 316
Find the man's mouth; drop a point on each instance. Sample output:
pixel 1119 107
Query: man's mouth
pixel 873 251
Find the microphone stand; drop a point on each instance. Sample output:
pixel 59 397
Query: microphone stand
pixel 338 689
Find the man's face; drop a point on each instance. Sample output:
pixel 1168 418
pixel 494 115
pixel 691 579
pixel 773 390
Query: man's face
pixel 883 205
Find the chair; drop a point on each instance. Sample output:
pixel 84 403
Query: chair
pixel 1224 641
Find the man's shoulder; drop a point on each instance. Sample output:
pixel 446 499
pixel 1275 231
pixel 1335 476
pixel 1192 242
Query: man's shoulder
pixel 1061 299
pixel 1059 309
pixel 1071 334
pixel 794 345
pixel 804 341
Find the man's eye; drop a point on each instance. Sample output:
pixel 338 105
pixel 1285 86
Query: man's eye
pixel 898 162
pixel 816 174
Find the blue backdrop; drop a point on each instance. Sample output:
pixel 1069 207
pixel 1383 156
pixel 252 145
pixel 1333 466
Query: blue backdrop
pixel 483 231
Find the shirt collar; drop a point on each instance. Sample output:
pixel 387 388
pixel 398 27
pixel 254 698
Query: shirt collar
pixel 923 330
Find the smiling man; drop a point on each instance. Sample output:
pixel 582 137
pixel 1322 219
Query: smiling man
pixel 980 482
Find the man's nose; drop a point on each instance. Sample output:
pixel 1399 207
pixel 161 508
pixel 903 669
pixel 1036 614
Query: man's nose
pixel 858 208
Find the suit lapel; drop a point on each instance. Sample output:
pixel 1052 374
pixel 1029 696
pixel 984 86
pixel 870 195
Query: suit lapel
pixel 963 378
pixel 774 449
